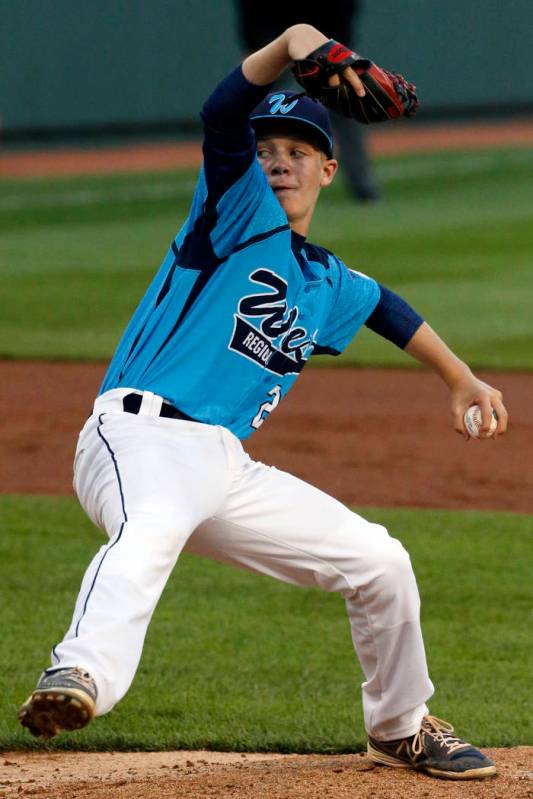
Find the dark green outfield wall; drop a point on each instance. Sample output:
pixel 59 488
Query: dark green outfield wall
pixel 69 63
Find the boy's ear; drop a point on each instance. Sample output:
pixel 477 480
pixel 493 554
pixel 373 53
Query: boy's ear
pixel 329 170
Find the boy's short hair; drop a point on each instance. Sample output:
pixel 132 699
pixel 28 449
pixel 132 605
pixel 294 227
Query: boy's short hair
pixel 296 114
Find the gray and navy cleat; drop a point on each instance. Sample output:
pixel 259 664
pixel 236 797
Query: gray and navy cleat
pixel 63 700
pixel 435 751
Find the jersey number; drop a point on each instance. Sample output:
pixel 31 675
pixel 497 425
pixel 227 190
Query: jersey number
pixel 267 407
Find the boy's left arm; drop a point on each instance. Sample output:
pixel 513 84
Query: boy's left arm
pixel 465 388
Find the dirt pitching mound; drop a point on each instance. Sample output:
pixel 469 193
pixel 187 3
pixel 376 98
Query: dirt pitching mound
pixel 195 775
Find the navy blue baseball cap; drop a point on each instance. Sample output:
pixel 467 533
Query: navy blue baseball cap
pixel 298 112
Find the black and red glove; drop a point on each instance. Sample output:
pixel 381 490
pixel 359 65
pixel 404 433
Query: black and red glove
pixel 388 94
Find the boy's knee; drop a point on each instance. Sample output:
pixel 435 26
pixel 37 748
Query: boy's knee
pixel 384 565
pixel 391 585
pixel 394 560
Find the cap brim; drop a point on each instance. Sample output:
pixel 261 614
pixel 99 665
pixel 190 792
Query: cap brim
pixel 308 130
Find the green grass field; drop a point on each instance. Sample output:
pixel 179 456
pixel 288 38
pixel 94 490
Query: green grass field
pixel 454 235
pixel 235 661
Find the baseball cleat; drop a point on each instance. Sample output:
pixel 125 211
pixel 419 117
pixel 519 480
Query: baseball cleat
pixel 63 700
pixel 435 751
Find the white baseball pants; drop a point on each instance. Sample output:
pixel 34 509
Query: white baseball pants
pixel 158 486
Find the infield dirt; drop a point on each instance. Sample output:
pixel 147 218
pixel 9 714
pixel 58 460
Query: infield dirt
pixel 366 436
pixel 176 155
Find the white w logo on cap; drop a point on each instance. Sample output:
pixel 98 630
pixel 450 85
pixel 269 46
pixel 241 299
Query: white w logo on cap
pixel 277 104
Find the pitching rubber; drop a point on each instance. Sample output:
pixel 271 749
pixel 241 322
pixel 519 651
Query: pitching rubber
pixel 382 759
pixel 48 711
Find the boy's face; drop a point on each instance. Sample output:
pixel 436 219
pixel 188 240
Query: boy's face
pixel 296 171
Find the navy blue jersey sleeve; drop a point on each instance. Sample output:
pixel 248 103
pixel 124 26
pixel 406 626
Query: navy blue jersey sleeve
pixel 393 318
pixel 229 141
pixel 232 202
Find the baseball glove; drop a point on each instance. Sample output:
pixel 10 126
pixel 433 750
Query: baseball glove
pixel 388 94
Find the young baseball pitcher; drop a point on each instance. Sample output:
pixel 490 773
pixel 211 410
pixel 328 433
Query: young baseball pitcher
pixel 241 302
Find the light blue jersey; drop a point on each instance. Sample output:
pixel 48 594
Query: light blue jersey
pixel 239 304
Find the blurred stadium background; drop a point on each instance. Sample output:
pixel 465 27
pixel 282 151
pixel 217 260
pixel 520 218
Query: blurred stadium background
pixel 113 66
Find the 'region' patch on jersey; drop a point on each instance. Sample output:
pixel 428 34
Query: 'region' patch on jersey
pixel 278 345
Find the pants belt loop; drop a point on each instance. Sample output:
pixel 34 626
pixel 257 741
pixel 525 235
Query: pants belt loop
pixel 150 404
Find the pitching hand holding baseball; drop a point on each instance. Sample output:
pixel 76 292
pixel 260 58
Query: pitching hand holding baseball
pixel 472 391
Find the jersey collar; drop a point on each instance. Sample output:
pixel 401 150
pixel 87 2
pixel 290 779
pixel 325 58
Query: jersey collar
pixel 297 241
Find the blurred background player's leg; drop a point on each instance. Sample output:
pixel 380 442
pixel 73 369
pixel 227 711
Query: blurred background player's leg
pixel 355 164
pixel 337 19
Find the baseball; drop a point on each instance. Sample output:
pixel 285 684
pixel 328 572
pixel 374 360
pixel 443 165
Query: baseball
pixel 473 421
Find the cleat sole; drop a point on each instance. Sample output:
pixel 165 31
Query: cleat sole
pixel 382 759
pixel 472 774
pixel 46 712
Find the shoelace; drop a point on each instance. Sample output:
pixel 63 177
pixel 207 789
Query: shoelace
pixel 440 731
pixel 83 677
